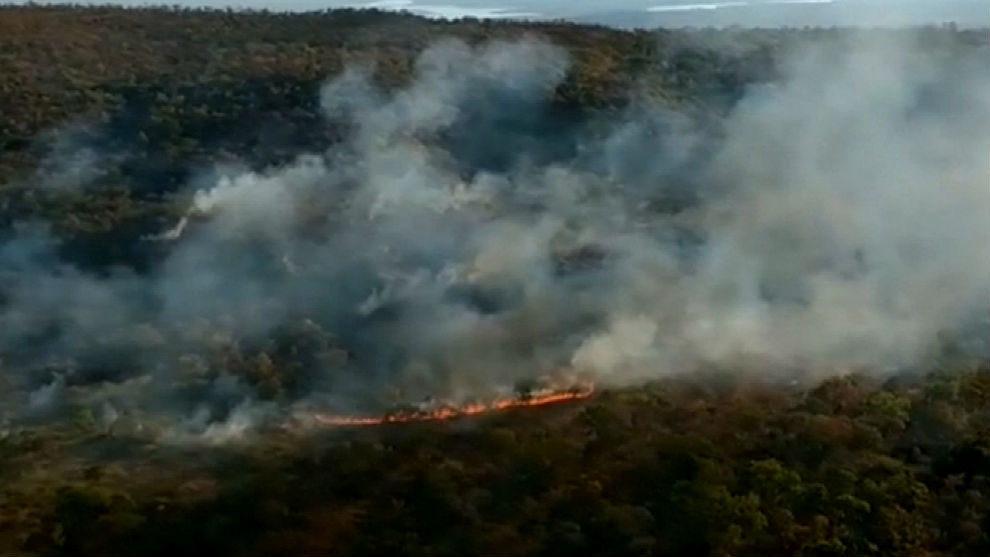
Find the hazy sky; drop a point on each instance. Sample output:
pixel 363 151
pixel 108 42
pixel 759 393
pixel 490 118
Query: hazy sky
pixel 655 12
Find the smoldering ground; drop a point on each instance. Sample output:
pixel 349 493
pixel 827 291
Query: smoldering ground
pixel 465 237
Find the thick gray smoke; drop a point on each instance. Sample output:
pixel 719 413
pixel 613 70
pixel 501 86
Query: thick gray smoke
pixel 850 225
pixel 840 219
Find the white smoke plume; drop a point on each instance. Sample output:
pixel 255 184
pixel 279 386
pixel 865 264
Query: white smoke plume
pixel 858 216
pixel 840 218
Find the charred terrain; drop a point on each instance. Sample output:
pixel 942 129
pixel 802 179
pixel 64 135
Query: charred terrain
pixel 361 283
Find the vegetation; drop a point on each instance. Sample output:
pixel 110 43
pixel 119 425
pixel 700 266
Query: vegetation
pixel 159 94
pixel 684 467
pixel 706 465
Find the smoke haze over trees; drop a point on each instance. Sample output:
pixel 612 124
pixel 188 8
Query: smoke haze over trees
pixel 245 217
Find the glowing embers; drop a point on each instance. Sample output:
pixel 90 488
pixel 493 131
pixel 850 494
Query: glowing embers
pixel 541 397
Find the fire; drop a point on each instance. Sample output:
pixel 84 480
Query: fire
pixel 540 398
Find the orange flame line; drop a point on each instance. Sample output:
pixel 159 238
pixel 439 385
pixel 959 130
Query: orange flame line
pixel 450 412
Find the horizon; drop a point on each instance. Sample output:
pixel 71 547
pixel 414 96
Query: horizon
pixel 631 13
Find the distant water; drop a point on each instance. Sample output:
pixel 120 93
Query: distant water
pixel 693 7
pixel 450 11
pixel 651 13
pixel 718 5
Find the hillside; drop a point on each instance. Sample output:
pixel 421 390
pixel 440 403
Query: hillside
pixel 762 247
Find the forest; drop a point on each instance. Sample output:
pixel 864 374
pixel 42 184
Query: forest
pixel 214 221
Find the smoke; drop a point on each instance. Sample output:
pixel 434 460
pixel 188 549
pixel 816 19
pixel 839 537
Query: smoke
pixel 860 211
pixel 69 161
pixel 457 243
